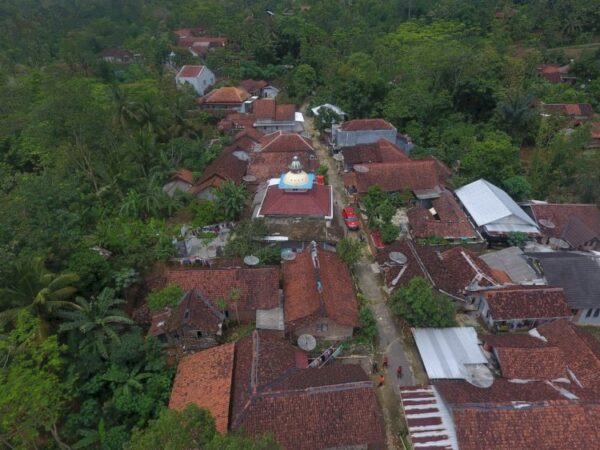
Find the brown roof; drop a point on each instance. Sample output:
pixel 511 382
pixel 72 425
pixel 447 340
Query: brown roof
pixel 190 71
pixel 236 120
pixel 253 86
pixel 204 379
pixel 116 53
pixel 304 408
pixel 303 300
pixel 184 175
pixel 267 165
pixel 226 95
pixel 574 223
pixel 569 109
pixel 226 167
pixel 285 142
pixel 259 287
pixel 397 176
pixel 366 124
pixel 451 221
pixel 381 151
pixel 314 202
pixel 579 355
pixel 251 133
pixel 527 302
pixel 196 312
pixel 157 326
pixel 266 108
pixel 541 363
pixel 540 427
pixel 512 340
pixel 391 270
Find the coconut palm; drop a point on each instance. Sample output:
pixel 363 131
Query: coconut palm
pixel 37 290
pixel 232 198
pixel 96 320
pixel 125 381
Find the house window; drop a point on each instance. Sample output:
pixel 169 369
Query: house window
pixel 596 312
pixel 589 313
pixel 321 327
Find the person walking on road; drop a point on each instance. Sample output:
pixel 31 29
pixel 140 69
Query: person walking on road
pixel 399 372
pixel 381 380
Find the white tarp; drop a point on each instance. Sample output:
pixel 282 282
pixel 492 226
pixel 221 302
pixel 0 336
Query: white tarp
pixel 446 351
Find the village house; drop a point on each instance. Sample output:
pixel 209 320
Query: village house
pixel 281 142
pixel 547 388
pixel 594 141
pixel 425 178
pixel 578 273
pixel 116 55
pixel 442 218
pixel 367 131
pixel 262 384
pixel 182 181
pixel 556 74
pixel 259 88
pixel 577 113
pixel 196 41
pixel 270 117
pixel 494 212
pixel 195 323
pixel 246 293
pixel 198 76
pixel 377 152
pixel 513 262
pixel 567 226
pixel 247 139
pixel 225 99
pixel 457 272
pixel 319 297
pixel 518 307
pixel 229 166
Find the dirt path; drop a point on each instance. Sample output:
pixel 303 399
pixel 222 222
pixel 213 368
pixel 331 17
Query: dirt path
pixel 390 338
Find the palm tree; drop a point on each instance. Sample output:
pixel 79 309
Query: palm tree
pixel 517 114
pixel 96 320
pixel 124 109
pixel 148 115
pixel 37 290
pixel 126 381
pixel 182 126
pixel 232 198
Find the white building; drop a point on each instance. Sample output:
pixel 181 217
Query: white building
pixel 200 77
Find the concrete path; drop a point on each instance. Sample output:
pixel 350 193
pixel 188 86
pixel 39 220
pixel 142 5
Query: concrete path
pixel 390 338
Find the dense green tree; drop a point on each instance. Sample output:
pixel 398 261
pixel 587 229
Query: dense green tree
pixel 421 307
pixel 349 250
pixel 95 321
pixel 232 198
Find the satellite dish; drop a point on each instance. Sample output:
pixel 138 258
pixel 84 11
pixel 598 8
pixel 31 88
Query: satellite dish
pixel 338 157
pixel 547 223
pixel 288 254
pixel 398 257
pixel 242 156
pixel 307 342
pixel 361 168
pixel 251 260
pixel 479 375
pixel 249 178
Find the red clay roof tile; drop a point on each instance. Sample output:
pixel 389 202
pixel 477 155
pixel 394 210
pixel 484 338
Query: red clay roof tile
pixel 190 71
pixel 315 202
pixel 366 124
pixel 527 302
pixel 285 142
pixel 226 95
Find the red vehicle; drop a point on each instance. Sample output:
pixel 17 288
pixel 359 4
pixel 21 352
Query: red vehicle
pixel 350 218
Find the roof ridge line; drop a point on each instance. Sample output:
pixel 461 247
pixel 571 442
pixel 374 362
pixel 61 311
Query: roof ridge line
pixel 339 387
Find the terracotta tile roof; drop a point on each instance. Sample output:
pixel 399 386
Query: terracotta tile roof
pixel 259 286
pixel 204 379
pixel 544 427
pixel 226 95
pixel 596 130
pixel 306 420
pixel 581 358
pixel 251 133
pixel 460 393
pixel 187 32
pixel 574 223
pixel 266 108
pixel 196 312
pixel 236 120
pixel 501 276
pixel 325 376
pixel 451 221
pixel 184 175
pixel 285 142
pixel 512 340
pixel 225 167
pixel 366 124
pixel 190 71
pixel 253 86
pixel 391 271
pixel 398 176
pixel 302 298
pixel 315 202
pixel 569 109
pixel 201 42
pixel 382 151
pixel 541 363
pixel 527 302
pixel 267 165
pixel 157 326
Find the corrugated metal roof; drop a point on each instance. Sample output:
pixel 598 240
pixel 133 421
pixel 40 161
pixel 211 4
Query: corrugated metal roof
pixel 512 261
pixel 488 204
pixel 430 424
pixel 446 351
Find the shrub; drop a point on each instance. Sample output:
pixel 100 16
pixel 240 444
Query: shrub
pixel 389 232
pixel 168 296
pixel 420 306
pixel 349 250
